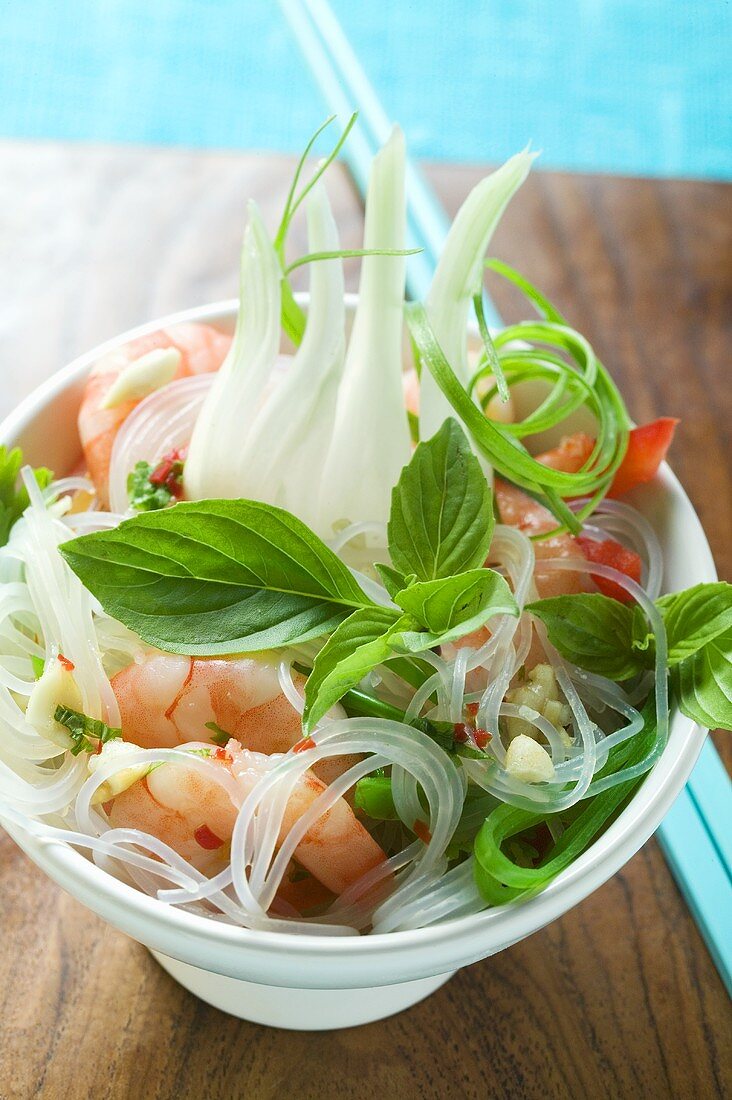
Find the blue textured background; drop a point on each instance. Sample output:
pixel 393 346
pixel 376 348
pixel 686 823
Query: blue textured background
pixel 635 86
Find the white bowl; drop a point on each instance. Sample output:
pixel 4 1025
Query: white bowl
pixel 310 982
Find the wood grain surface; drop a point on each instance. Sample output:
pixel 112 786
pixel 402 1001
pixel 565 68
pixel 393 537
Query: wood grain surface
pixel 619 998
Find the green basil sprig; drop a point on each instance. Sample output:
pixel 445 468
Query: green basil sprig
pixel 233 576
pixel 454 607
pixel 439 532
pixel 604 636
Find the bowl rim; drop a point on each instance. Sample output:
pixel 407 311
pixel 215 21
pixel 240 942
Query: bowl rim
pixel 459 938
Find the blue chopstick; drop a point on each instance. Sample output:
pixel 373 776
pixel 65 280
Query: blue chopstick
pixel 696 835
pixel 336 68
pixel 692 853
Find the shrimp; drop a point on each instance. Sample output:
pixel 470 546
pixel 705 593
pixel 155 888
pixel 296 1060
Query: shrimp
pixel 166 700
pixel 199 349
pixel 518 509
pixel 195 815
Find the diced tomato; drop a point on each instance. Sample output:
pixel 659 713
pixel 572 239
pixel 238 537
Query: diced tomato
pixel 482 737
pixel 207 839
pixel 571 454
pixel 647 449
pixel 617 556
pixel 461 733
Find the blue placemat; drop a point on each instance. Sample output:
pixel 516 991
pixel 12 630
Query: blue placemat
pixel 602 85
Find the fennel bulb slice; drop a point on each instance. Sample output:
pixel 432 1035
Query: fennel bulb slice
pixel 370 440
pixel 214 466
pixel 286 446
pixel 458 277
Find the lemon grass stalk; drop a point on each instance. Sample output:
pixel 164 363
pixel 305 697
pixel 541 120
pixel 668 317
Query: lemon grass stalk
pixel 289 438
pixel 213 467
pixel 459 277
pixel 371 441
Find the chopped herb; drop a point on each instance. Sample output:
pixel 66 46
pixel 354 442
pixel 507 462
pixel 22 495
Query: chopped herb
pixel 38 666
pixel 151 488
pixel 218 736
pixel 86 733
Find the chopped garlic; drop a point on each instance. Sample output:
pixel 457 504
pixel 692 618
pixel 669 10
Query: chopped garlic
pixel 528 761
pixel 56 687
pixel 122 779
pixel 541 693
pixel 143 376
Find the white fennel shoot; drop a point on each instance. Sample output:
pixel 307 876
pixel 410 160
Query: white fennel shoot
pixel 459 277
pixel 370 442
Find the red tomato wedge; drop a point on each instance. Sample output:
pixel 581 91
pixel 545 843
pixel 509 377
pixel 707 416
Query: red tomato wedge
pixel 647 447
pixel 617 556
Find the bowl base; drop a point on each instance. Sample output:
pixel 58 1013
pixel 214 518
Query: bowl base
pixel 299 1009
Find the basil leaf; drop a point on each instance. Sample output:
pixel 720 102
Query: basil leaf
pixel 371 636
pixel 695 617
pixel 441 518
pixel 216 577
pixel 392 579
pixel 703 684
pixel 359 644
pixel 468 598
pixel 592 631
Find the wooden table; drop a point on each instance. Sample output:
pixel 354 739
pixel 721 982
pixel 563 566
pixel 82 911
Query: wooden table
pixel 619 998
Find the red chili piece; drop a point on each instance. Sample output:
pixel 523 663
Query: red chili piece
pixel 207 839
pixel 482 737
pixel 302 746
pixel 169 472
pixel 461 733
pixel 67 664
